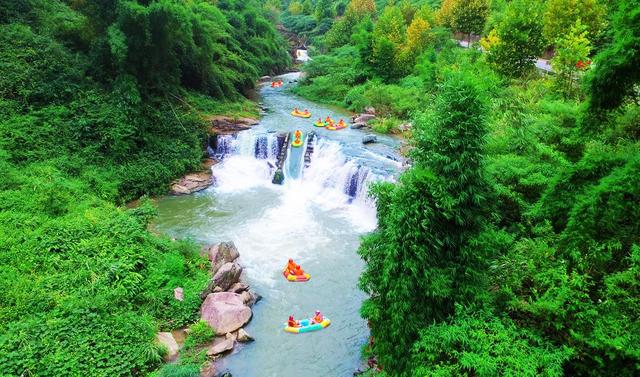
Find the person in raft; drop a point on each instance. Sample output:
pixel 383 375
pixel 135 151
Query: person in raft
pixel 298 271
pixel 328 120
pixel 318 317
pixel 297 134
pixel 291 267
pixel 292 322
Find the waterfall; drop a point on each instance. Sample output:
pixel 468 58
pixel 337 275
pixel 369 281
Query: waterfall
pixel 248 160
pixel 261 146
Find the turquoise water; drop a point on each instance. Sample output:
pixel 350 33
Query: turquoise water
pixel 316 218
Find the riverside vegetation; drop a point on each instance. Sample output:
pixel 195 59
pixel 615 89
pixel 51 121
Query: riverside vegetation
pixel 102 102
pixel 511 246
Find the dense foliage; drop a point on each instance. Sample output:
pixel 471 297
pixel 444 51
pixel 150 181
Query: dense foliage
pixel 511 245
pixel 100 103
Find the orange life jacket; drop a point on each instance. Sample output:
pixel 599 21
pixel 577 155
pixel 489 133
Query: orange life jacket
pixel 318 319
pixel 292 323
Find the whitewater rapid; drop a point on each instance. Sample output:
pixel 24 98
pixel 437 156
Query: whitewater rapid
pixel 316 216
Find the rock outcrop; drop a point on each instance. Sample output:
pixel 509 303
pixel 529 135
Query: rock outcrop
pixel 225 312
pixel 363 118
pixel 222 253
pixel 192 182
pixel 167 340
pixel 223 125
pixel 227 275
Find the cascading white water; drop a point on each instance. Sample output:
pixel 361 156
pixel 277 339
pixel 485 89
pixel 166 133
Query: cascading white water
pixel 259 145
pixel 330 179
pixel 316 218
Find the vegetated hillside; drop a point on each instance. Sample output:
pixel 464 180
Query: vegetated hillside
pixel 511 247
pixel 99 104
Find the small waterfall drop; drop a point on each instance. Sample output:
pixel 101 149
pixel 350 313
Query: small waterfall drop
pixel 248 159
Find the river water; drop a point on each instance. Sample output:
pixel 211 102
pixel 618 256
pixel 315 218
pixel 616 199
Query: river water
pixel 316 217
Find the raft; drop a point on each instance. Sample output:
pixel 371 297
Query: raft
pixel 301 114
pixel 297 143
pixel 306 326
pixel 295 278
pixel 320 124
pixel 336 127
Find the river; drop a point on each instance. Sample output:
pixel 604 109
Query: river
pixel 317 219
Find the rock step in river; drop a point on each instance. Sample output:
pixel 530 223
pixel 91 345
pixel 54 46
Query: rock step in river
pixel 316 218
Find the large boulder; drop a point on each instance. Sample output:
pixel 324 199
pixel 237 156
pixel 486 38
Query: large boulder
pixel 225 312
pixel 227 275
pixel 364 118
pixel 167 340
pixel 222 253
pixel 192 182
pixel 357 126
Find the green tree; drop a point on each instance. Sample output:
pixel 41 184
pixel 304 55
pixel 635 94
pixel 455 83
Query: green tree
pixel 420 262
pixel 561 15
pixel 295 8
pixel 617 66
pixel 470 16
pixel 307 7
pixel 391 25
pixel 572 57
pixel 323 10
pixel 361 8
pixel 520 39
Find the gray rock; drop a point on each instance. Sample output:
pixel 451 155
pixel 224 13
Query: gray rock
pixel 220 345
pixel 364 118
pixel 369 139
pixel 250 297
pixel 222 253
pixel 192 182
pixel 357 126
pixel 244 337
pixel 225 312
pixel 168 341
pixel 238 287
pixel 278 177
pixel 227 275
pixel 265 78
pixel 178 293
pixel 370 110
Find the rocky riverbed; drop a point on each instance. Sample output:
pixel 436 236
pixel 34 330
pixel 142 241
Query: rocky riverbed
pixel 226 307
